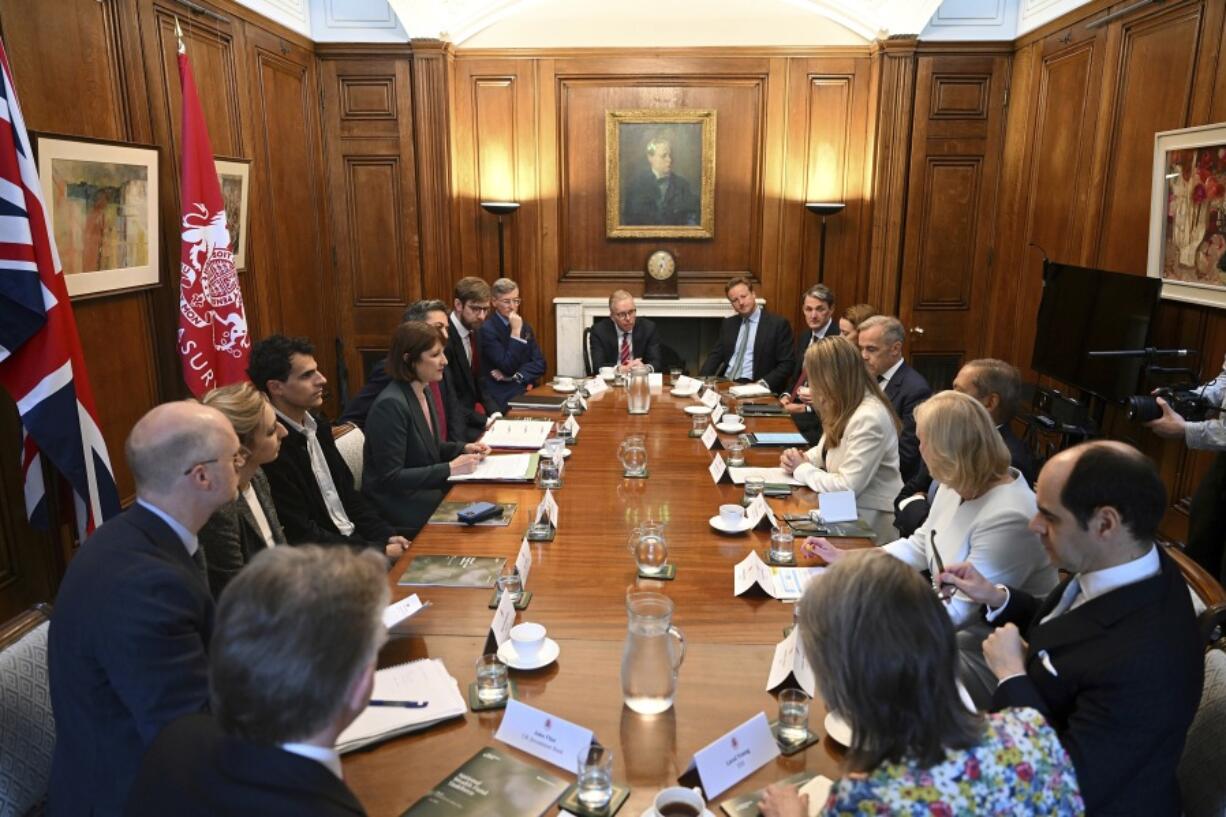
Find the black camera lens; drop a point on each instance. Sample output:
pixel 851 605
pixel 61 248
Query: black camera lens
pixel 1142 408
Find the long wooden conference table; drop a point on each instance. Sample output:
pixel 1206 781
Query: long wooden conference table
pixel 579 582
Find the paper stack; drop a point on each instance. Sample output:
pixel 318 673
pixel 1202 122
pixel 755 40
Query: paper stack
pixel 424 680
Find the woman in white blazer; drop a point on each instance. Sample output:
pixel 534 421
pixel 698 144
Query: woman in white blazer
pixel 858 450
pixel 981 514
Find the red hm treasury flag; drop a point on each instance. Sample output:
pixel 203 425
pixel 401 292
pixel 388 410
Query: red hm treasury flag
pixel 213 339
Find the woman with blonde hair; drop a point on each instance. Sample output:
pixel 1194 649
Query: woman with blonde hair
pixel 883 653
pixel 853 316
pixel 242 528
pixel 858 449
pixel 980 514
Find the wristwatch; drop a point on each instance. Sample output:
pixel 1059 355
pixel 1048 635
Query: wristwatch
pixel 518 377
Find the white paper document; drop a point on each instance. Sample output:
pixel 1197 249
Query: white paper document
pixel 498 467
pixel 717 468
pixel 398 611
pixel 790 661
pixel 526 434
pixel 543 735
pixel 772 476
pixel 425 680
pixel 731 758
pixel 786 583
pixel 749 390
pixel 837 506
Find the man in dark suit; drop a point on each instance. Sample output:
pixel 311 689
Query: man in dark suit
pixel 880 342
pixel 129 638
pixel 996 384
pixel 753 344
pixel 817 306
pixel 470 308
pixel 1112 657
pixel 658 196
pixel 625 340
pixel 511 360
pixel 311 484
pixel 291 666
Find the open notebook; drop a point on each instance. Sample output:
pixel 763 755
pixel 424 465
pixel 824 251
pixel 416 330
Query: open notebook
pixel 423 680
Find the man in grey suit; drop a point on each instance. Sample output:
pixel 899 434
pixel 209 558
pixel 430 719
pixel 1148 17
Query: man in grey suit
pixel 128 645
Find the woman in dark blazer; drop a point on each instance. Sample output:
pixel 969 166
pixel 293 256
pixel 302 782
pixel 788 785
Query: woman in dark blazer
pixel 405 465
pixel 240 529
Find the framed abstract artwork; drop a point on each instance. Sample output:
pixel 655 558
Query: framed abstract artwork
pixel 1187 221
pixel 234 175
pixel 102 202
pixel 660 173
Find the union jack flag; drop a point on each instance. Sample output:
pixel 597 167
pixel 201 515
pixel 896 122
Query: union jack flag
pixel 41 364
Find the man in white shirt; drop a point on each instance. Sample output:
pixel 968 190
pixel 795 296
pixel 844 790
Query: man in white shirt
pixel 1112 657
pixel 625 340
pixel 292 664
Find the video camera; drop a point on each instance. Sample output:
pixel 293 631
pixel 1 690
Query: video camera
pixel 1184 399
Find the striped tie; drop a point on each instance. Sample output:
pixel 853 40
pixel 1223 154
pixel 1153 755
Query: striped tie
pixel 624 356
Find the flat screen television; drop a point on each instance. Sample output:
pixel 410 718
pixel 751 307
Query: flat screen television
pixel 1085 310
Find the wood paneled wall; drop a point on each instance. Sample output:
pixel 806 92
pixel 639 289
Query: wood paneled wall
pixel 107 69
pixel 1075 176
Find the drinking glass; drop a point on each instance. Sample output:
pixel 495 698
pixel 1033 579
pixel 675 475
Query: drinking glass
pixel 673 376
pixel 793 715
pixel 553 447
pixel 782 549
pixel 698 425
pixel 754 486
pixel 491 679
pixel 595 772
pixel 572 406
pixel 736 453
pixel 548 473
pixel 511 583
pixel 651 549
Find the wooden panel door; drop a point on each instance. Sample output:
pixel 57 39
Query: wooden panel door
pixel 947 248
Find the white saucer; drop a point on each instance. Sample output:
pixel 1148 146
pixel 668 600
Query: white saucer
pixel 608 378
pixel 837 729
pixel 651 812
pixel 683 392
pixel 545 656
pixel 565 452
pixel 564 389
pixel 729 428
pixel 718 523
pixel 697 409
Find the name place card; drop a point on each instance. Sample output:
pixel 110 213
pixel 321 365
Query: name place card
pixel 837 506
pixel 571 427
pixel 523 562
pixel 717 468
pixel 787 583
pixel 736 755
pixel 710 398
pixel 717 412
pixel 407 607
pixel 544 736
pixel 595 386
pixel 551 507
pixel 790 662
pixel 709 437
pixel 504 619
pixel 687 383
pixel 655 381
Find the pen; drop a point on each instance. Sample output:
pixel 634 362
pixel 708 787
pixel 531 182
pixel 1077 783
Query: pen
pixel 940 565
pixel 405 704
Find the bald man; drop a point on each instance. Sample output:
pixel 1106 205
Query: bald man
pixel 1112 657
pixel 130 633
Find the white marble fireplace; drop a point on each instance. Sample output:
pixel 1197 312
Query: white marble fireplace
pixel 573 315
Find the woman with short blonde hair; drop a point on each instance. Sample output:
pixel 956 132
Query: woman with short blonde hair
pixel 858 450
pixel 242 528
pixel 980 514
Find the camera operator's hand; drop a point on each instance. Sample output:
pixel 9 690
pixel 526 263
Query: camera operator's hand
pixel 1169 425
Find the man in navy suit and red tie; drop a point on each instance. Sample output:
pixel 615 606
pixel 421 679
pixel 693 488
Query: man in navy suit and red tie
pixel 625 340
pixel 818 309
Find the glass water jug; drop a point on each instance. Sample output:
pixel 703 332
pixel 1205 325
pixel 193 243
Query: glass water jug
pixel 652 655
pixel 638 391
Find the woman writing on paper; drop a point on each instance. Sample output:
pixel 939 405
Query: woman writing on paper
pixel 405 464
pixel 980 514
pixel 858 449
pixel 883 652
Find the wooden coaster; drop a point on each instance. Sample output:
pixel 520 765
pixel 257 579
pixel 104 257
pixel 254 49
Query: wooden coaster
pixel 477 705
pixel 767 558
pixel 570 802
pixel 666 574
pixel 791 747
pixel 524 599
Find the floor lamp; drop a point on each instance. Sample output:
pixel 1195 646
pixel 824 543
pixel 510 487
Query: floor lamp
pixel 500 209
pixel 823 209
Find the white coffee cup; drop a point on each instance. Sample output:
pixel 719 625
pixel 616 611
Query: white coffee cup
pixel 607 372
pixel 730 420
pixel 731 515
pixel 678 794
pixel 564 382
pixel 528 639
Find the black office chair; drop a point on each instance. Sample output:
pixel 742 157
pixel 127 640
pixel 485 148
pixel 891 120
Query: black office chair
pixel 587 352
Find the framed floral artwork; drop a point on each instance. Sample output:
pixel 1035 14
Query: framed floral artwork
pixel 234 176
pixel 1187 221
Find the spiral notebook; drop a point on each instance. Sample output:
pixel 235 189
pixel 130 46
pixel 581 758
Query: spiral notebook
pixel 422 680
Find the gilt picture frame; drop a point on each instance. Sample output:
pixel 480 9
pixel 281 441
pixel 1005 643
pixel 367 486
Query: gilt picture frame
pixel 101 199
pixel 1187 227
pixel 660 173
pixel 234 176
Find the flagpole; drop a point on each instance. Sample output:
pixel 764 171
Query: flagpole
pixel 179 36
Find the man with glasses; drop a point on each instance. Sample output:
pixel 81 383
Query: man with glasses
pixel 624 341
pixel 511 360
pixel 128 643
pixel 470 308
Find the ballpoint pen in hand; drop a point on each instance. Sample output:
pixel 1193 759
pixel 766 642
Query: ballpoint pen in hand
pixel 940 568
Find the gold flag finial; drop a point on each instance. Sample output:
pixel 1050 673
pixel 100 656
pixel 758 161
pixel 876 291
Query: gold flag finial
pixel 179 35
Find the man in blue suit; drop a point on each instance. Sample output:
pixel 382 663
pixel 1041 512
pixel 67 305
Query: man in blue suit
pixel 880 341
pixel 511 360
pixel 130 633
